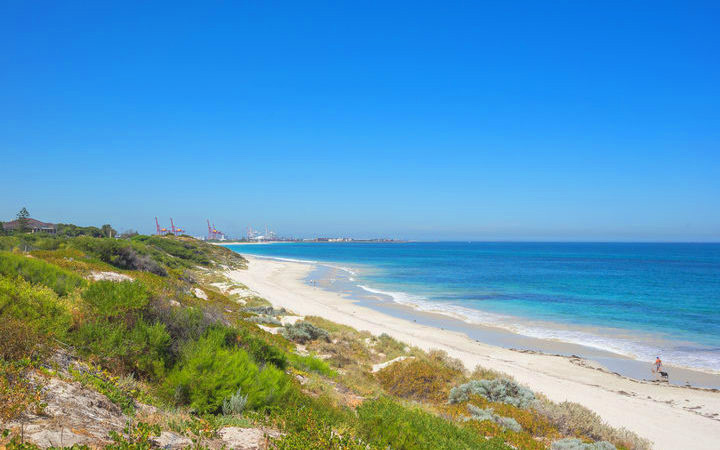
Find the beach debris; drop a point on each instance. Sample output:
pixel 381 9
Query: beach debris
pixel 381 366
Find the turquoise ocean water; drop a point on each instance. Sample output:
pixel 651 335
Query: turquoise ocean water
pixel 638 300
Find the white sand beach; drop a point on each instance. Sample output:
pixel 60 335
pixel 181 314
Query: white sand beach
pixel 670 416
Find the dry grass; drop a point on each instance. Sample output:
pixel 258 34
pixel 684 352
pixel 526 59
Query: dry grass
pixel 576 420
pixel 419 380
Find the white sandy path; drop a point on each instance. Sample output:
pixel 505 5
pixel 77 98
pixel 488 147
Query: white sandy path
pixel 654 411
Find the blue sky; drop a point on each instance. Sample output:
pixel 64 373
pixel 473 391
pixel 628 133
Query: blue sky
pixel 474 120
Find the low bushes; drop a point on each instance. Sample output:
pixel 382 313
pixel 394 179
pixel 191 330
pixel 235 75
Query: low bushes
pixel 577 420
pixel 210 371
pixel 418 379
pixel 480 414
pixel 111 300
pixel 39 272
pixel 577 444
pixel 387 424
pixel 119 253
pixel 496 390
pixel 37 307
pixel 303 332
pixel 17 393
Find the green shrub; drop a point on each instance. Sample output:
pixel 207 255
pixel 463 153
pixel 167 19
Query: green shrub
pixel 120 253
pixel 186 250
pixel 209 371
pixel 111 299
pixel 480 415
pixel 310 363
pixel 37 307
pixel 303 332
pixel 314 423
pixel 39 272
pixel 496 390
pixel 262 351
pixel 140 348
pixel 387 424
pixel 577 444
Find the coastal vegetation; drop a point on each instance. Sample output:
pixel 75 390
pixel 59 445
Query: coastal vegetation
pixel 152 325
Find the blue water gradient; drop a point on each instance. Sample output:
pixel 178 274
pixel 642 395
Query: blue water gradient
pixel 634 299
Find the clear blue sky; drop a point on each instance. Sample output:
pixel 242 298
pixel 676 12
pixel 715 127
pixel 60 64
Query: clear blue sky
pixel 475 120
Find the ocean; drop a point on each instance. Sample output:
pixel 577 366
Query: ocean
pixel 639 300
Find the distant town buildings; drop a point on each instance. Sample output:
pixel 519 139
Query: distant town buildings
pixel 32 225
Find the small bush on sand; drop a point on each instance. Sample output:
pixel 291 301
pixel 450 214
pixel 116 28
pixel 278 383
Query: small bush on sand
pixel 497 390
pixel 481 373
pixel 269 320
pixel 574 419
pixel 390 346
pixel 480 415
pixel 266 310
pixel 577 444
pixel 443 358
pixel 418 379
pixel 304 332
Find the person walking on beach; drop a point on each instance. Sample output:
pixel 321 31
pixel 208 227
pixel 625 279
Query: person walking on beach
pixel 658 365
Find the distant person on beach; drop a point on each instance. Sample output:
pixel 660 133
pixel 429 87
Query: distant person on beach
pixel 658 369
pixel 658 365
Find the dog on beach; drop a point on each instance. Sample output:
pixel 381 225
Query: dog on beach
pixel 664 375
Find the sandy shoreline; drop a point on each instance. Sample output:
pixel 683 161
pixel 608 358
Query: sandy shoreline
pixel 670 416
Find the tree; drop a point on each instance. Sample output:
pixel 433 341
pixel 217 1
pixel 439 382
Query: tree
pixel 108 231
pixel 22 218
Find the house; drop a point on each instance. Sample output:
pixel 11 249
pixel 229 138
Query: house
pixel 34 226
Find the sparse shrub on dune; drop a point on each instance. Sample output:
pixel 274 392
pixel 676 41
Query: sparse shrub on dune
pixel 389 346
pixel 497 390
pixel 267 320
pixel 418 379
pixel 266 310
pixel 304 332
pixel 482 373
pixel 577 420
pixel 577 444
pixel 481 414
pixel 443 358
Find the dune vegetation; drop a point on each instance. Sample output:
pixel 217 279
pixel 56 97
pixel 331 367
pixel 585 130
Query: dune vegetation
pixel 152 324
